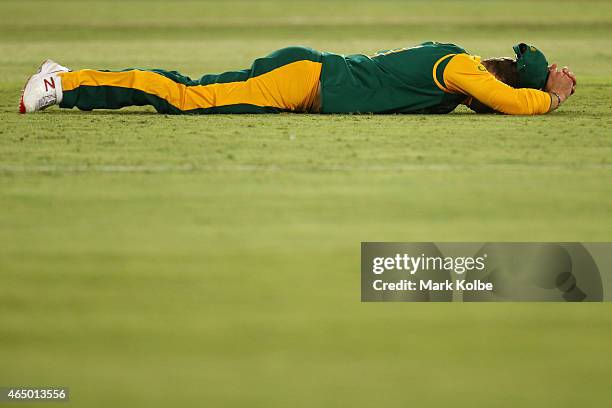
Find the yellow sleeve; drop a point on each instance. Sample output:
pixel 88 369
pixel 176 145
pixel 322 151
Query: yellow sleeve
pixel 465 74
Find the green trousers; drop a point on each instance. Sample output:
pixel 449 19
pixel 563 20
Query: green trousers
pixel 285 80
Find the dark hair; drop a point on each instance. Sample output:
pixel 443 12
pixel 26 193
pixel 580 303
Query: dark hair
pixel 504 69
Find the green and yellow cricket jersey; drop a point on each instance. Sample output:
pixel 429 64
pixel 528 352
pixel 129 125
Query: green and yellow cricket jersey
pixel 428 78
pixel 396 81
pixel 431 77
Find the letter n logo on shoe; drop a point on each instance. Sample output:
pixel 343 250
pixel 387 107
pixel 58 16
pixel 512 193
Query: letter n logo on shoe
pixel 49 82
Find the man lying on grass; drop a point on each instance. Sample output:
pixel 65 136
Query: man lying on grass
pixel 429 78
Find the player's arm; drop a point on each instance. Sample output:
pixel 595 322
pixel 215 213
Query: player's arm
pixel 465 74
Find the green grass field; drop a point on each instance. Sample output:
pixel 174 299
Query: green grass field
pixel 151 260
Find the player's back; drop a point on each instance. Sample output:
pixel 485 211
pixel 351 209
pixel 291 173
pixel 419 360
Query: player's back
pixel 399 80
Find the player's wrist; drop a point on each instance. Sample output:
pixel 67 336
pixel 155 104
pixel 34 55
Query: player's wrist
pixel 555 100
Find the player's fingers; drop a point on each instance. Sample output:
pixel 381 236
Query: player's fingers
pixel 564 82
pixel 571 75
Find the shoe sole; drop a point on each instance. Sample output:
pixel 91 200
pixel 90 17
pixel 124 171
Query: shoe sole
pixel 21 104
pixel 22 108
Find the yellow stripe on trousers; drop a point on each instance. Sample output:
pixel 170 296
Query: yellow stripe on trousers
pixel 292 87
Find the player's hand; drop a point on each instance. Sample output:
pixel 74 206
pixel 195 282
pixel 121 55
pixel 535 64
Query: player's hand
pixel 570 74
pixel 559 82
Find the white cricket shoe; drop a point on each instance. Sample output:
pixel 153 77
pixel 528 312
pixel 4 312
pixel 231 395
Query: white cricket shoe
pixel 43 89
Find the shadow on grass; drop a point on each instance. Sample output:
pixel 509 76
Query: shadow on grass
pixel 119 112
